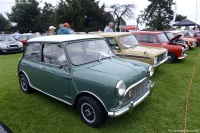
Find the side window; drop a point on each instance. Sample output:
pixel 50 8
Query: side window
pixel 53 54
pixel 33 52
pixel 112 42
pixel 152 39
pixel 144 38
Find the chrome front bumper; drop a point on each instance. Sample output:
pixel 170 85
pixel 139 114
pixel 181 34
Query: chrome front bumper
pixel 163 61
pixel 132 104
pixel 182 57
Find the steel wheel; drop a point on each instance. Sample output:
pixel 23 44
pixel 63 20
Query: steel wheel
pixel 88 112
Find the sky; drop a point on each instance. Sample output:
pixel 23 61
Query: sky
pixel 184 7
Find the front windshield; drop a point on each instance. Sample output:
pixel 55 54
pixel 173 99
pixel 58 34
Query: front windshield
pixel 162 38
pixel 88 51
pixel 128 41
pixel 6 38
pixel 170 35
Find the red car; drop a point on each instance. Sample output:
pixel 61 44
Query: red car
pixel 25 37
pixel 158 39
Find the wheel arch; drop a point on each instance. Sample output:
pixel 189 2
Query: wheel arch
pixel 89 94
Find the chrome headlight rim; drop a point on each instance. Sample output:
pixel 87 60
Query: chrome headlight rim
pixel 150 71
pixel 155 60
pixel 120 88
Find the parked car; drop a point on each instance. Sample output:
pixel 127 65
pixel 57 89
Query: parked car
pixel 125 45
pixel 176 40
pixel 189 34
pixel 9 45
pixel 192 42
pixel 158 39
pixel 25 37
pixel 82 70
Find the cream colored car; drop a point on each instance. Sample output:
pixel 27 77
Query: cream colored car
pixel 125 45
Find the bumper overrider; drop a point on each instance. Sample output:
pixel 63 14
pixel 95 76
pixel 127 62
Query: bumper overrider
pixel 133 103
pixel 161 62
pixel 183 55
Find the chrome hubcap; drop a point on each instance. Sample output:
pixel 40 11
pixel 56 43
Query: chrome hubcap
pixel 88 112
pixel 23 84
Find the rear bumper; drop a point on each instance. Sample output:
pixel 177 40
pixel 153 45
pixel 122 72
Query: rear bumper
pixel 182 57
pixel 161 62
pixel 132 104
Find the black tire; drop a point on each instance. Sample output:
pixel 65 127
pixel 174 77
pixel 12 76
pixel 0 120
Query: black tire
pixel 91 111
pixel 172 58
pixel 24 84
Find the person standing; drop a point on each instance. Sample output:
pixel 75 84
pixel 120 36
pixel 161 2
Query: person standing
pixel 16 35
pixel 51 31
pixel 64 29
pixel 109 27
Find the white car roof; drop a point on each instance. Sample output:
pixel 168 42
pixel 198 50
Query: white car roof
pixel 61 38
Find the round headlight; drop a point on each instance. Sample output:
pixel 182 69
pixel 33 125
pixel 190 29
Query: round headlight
pixel 155 61
pixel 150 71
pixel 20 44
pixel 3 45
pixel 121 88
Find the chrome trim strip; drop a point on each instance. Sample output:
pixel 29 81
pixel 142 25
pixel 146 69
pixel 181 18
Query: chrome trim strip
pixel 163 61
pixel 182 57
pixel 130 87
pixel 43 91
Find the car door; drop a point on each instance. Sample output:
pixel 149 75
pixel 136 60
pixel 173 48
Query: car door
pixel 53 78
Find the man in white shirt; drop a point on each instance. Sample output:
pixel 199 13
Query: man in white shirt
pixel 109 27
pixel 16 35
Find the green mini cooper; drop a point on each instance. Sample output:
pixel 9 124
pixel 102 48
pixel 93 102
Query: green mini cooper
pixel 82 70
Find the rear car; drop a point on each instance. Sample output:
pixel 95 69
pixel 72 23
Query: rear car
pixel 158 39
pixel 9 45
pixel 25 37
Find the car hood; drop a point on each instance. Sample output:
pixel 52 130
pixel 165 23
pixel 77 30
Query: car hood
pixel 10 42
pixel 126 71
pixel 111 70
pixel 145 51
pixel 174 38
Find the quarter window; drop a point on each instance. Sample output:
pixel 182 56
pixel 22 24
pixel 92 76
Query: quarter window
pixel 33 52
pixel 53 54
pixel 152 39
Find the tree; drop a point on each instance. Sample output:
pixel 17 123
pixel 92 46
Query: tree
pixel 5 25
pixel 25 14
pixel 47 17
pixel 157 15
pixel 82 15
pixel 122 11
pixel 180 17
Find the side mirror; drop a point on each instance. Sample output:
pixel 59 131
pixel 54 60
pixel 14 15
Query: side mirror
pixel 64 64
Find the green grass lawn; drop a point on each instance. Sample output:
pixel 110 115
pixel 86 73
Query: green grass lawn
pixel 163 111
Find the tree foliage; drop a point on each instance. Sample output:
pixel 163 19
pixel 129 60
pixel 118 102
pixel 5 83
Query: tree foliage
pixel 180 17
pixel 157 15
pixel 82 15
pixel 5 25
pixel 122 11
pixel 25 14
pixel 47 17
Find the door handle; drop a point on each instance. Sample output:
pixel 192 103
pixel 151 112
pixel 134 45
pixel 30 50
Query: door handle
pixel 41 67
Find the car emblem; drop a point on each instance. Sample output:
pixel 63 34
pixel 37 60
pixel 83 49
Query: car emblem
pixel 130 93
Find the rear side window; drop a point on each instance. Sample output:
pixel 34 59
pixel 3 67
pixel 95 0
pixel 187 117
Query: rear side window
pixel 144 38
pixel 53 54
pixel 33 52
pixel 152 39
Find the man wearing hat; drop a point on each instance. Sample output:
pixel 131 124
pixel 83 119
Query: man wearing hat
pixel 64 29
pixel 51 31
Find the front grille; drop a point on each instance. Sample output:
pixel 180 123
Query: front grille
pixel 136 90
pixel 13 46
pixel 160 57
